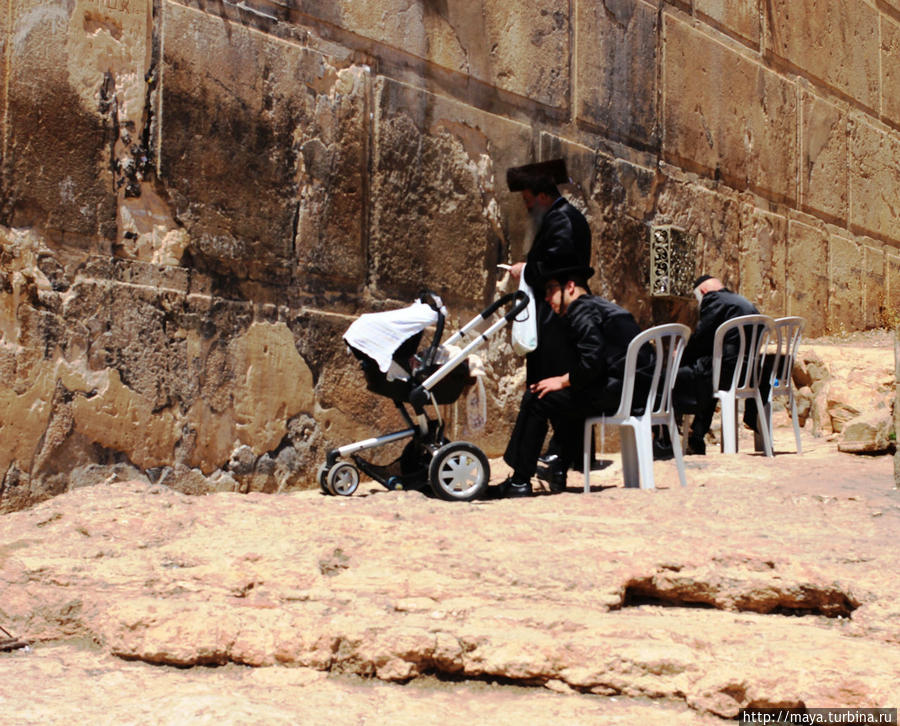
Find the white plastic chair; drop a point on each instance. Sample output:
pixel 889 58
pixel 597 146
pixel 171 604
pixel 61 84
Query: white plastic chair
pixel 754 333
pixel 637 431
pixel 788 332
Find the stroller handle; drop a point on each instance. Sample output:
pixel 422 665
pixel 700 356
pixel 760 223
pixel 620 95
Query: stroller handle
pixel 519 300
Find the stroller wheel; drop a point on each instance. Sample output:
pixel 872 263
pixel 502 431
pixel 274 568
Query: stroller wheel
pixel 343 479
pixel 459 471
pixel 322 477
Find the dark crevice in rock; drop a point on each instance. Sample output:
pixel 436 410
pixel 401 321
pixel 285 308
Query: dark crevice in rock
pixel 635 598
pixel 788 598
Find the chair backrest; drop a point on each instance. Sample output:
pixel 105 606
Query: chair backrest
pixel 753 333
pixel 788 332
pixel 668 343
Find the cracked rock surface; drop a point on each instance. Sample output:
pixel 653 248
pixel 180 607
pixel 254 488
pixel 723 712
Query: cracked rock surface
pixel 763 583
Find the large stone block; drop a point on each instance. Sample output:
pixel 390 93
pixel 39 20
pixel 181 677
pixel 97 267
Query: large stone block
pixel 763 252
pixel 726 116
pixel 262 151
pixel 438 172
pixel 739 18
pixel 834 41
pixel 75 97
pixel 616 69
pixel 845 301
pixel 890 68
pixel 823 157
pixel 713 220
pixel 874 178
pixel 807 276
pixel 5 62
pixel 619 196
pixel 892 272
pixel 522 48
pixel 875 305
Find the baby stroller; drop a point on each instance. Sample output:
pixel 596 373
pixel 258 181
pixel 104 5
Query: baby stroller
pixel 385 345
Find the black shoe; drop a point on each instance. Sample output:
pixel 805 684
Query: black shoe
pixel 557 481
pixel 512 489
pixel 662 450
pixel 696 447
pixel 548 459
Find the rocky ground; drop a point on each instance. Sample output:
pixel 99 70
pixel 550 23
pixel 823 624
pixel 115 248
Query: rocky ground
pixel 763 582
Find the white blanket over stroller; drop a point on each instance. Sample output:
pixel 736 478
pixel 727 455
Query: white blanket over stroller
pixel 378 335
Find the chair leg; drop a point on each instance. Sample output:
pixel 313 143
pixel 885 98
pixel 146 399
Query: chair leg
pixel 676 449
pixel 796 422
pixel 763 418
pixel 643 434
pixel 630 471
pixel 729 425
pixel 588 435
pixel 767 438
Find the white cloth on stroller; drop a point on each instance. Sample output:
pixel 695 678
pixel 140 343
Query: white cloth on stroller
pixel 378 335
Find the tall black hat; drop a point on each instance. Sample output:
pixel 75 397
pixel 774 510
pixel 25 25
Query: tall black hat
pixel 546 272
pixel 519 177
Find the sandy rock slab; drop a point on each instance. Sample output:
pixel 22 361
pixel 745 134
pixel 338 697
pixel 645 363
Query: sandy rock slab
pixel 70 684
pixel 764 582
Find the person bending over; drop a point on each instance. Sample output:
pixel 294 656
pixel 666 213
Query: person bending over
pixel 693 391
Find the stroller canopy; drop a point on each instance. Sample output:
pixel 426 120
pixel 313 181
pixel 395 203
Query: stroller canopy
pixel 378 335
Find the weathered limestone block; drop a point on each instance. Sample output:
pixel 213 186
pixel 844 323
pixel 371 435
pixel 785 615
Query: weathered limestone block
pixel 272 384
pixel 875 303
pixel 896 406
pixel 523 48
pixel 620 195
pixel 811 376
pixel 258 144
pixel 739 18
pixel 330 226
pixel 849 382
pixel 24 416
pixel 868 433
pixel 890 67
pixel 727 116
pixel 842 405
pixel 763 253
pixel 433 183
pixel 807 281
pixel 711 218
pixel 823 157
pixel 130 328
pixel 118 418
pixel 874 177
pixel 75 90
pixel 251 387
pixel 148 232
pixel 845 303
pixel 892 271
pixel 837 42
pixel 616 68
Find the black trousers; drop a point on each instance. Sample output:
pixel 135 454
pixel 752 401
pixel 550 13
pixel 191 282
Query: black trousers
pixel 693 393
pixel 557 408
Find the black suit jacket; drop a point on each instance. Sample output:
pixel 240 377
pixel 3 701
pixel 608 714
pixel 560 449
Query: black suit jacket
pixel 563 240
pixel 715 309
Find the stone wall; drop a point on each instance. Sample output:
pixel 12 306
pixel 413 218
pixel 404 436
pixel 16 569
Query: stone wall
pixel 197 197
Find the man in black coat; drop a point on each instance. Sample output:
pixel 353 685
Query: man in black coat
pixel 562 238
pixel 599 333
pixel 693 391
